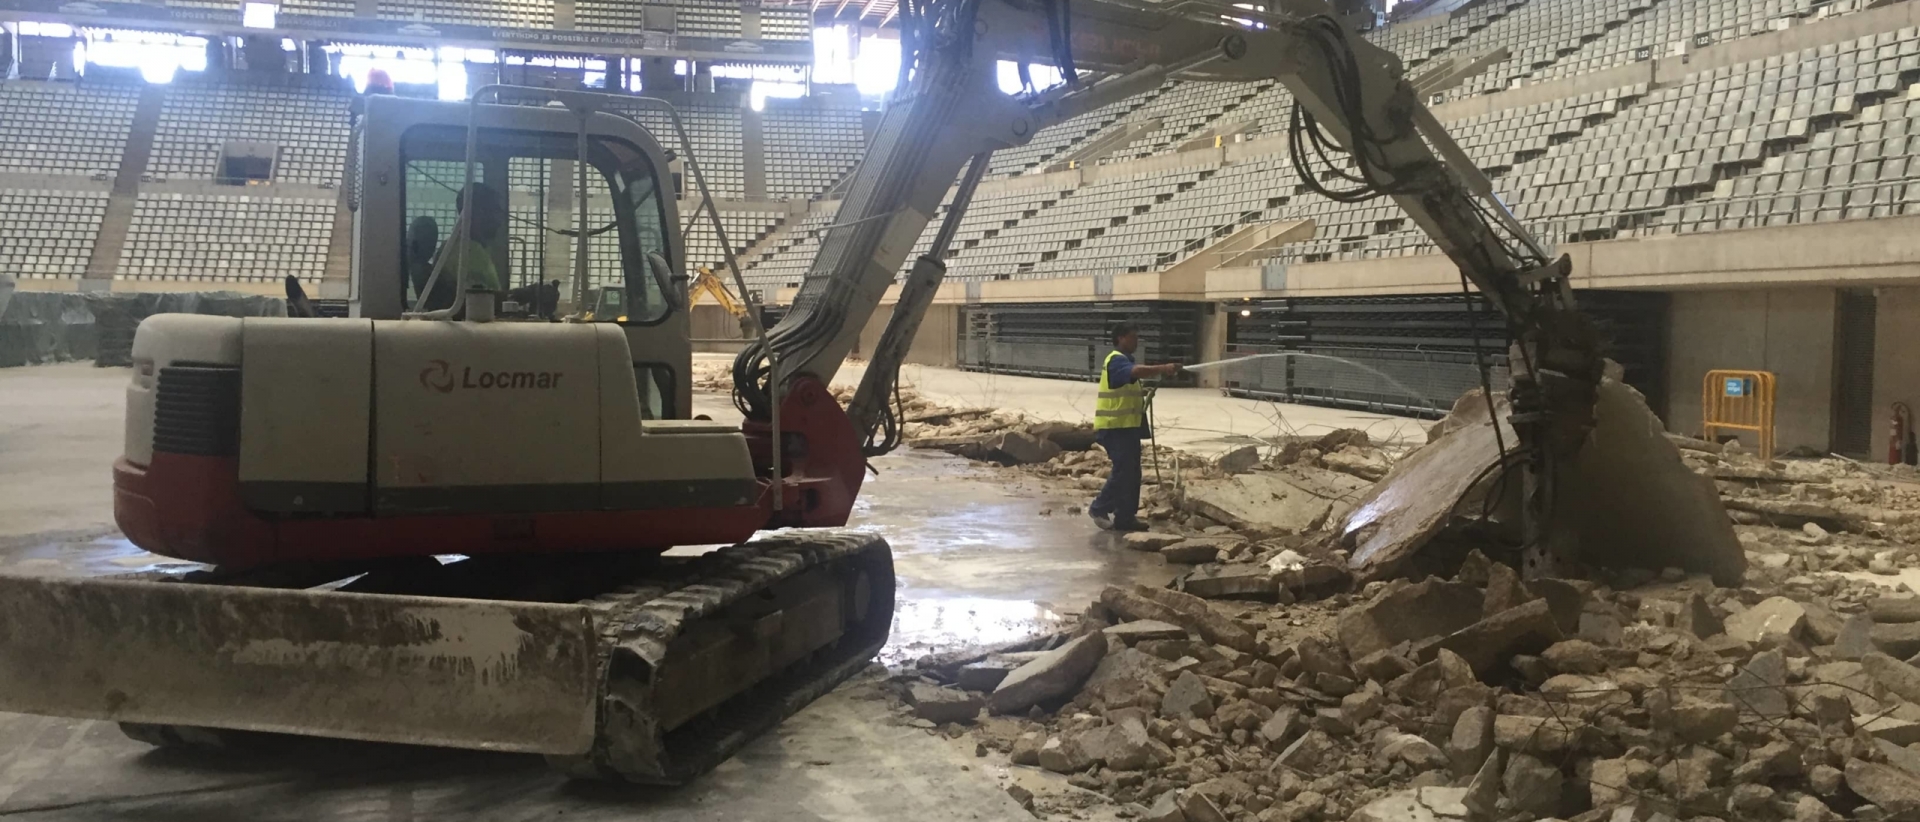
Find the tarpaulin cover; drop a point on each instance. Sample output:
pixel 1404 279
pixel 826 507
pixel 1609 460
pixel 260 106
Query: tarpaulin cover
pixel 117 315
pixel 38 328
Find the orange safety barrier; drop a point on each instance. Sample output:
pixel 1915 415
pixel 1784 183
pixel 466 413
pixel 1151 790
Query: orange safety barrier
pixel 1738 401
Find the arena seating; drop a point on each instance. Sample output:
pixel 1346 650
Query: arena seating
pixel 226 238
pixel 714 130
pixel 308 125
pixel 809 148
pixel 49 232
pixel 61 128
pixel 522 13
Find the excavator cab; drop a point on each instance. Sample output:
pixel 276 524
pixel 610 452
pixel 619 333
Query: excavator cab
pixel 412 165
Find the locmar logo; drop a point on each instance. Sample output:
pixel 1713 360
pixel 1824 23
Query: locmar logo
pixel 438 375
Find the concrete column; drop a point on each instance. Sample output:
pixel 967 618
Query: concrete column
pixel 1787 331
pixel 1896 374
pixel 366 8
pixel 557 262
pixel 656 73
pixel 753 142
pixel 107 245
pixel 563 15
pixel 749 22
pixel 1213 344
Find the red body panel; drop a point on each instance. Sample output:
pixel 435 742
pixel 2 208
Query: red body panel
pixel 189 507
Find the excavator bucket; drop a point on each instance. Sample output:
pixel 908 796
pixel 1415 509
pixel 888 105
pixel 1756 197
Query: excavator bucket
pixel 492 675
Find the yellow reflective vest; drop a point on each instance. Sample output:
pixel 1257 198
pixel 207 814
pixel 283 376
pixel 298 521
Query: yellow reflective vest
pixel 1123 407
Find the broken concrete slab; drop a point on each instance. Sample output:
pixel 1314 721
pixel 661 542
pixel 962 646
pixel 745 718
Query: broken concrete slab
pixel 1194 551
pixel 1761 686
pixel 1540 734
pixel 1021 448
pixel 1139 629
pixel 1055 675
pixel 1199 808
pixel 1151 540
pixel 1185 610
pixel 1895 790
pixel 1070 436
pixel 1898 677
pixel 1901 639
pixel 1239 460
pixel 1472 740
pixel 1894 609
pixel 943 705
pixel 1063 755
pixel 1237 581
pixel 987 674
pixel 1897 731
pixel 1488 645
pixel 1125 746
pixel 1697 617
pixel 1638 504
pixel 1424 609
pixel 1187 698
pixel 1126 676
pixel 1366 463
pixel 1394 519
pixel 1295 499
pixel 1771 622
pixel 1855 640
pixel 1415 805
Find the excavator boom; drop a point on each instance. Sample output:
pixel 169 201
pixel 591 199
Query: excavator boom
pixel 1352 98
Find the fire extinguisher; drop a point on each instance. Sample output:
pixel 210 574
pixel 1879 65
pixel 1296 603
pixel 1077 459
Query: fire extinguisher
pixel 1902 446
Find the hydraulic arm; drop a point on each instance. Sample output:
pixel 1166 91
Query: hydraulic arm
pixel 1358 132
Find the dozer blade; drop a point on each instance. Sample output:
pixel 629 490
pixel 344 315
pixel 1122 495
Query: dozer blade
pixel 492 675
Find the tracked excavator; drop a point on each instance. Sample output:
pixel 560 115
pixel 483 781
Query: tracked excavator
pixel 422 526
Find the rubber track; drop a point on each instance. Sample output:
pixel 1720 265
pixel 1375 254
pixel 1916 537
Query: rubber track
pixel 639 622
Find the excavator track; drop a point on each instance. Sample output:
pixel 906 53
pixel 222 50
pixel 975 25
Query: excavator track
pixel 678 641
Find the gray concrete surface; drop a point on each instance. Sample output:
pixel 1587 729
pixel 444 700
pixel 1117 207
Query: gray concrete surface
pixel 982 555
pixel 1200 420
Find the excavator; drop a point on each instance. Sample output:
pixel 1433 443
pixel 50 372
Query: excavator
pixel 437 527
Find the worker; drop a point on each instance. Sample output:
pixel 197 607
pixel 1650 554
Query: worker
pixel 484 225
pixel 1119 424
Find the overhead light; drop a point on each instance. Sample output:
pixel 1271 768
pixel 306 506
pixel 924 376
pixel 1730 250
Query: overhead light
pixel 1245 313
pixel 259 15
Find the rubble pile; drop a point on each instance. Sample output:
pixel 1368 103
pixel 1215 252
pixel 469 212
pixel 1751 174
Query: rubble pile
pixel 1475 697
pixel 1802 516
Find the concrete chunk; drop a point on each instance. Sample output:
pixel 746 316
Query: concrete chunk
pixel 1761 686
pixel 1856 638
pixel 1894 609
pixel 1237 581
pixel 1415 805
pixel 1139 629
pixel 1296 499
pixel 1488 645
pixel 1187 698
pixel 1185 610
pixel 1896 676
pixel 1055 675
pixel 942 705
pixel 1021 448
pixel 1151 540
pixel 1900 639
pixel 1413 612
pixel 1192 551
pixel 1771 622
pixel 1893 789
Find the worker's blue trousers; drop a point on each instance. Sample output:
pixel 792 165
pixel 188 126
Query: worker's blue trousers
pixel 1120 497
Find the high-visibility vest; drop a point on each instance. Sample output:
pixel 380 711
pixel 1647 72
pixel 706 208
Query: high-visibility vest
pixel 1123 407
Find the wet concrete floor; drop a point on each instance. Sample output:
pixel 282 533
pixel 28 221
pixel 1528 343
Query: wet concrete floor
pixel 982 556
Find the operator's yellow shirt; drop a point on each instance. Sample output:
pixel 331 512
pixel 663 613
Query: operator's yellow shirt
pixel 479 265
